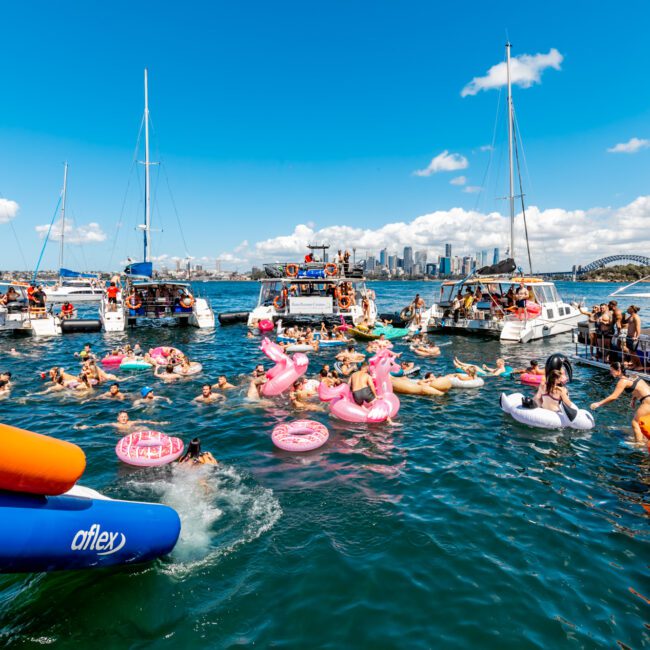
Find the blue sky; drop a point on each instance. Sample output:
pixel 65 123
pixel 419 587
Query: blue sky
pixel 269 116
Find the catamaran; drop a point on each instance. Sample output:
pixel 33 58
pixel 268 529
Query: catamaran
pixel 313 291
pixel 72 286
pixel 490 311
pixel 17 315
pixel 141 297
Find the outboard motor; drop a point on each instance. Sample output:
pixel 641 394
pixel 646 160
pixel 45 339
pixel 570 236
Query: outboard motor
pixel 559 362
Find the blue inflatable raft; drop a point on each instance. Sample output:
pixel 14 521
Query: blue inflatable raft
pixel 81 529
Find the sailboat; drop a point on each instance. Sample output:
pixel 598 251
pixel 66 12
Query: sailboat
pixel 488 312
pixel 72 286
pixel 141 297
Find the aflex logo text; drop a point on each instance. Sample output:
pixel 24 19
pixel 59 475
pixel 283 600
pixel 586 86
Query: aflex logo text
pixel 92 540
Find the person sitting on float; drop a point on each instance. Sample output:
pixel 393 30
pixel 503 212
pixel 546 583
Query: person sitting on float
pixel 194 455
pixel 551 393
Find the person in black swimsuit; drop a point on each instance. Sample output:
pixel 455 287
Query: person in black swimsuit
pixel 362 386
pixel 639 390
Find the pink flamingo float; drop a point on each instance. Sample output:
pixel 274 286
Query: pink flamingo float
pixel 285 371
pixel 343 406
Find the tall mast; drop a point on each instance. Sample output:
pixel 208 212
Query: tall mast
pixel 65 187
pixel 511 195
pixel 147 202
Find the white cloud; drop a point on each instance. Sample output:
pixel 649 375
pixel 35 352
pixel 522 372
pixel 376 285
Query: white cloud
pixel 8 210
pixel 458 180
pixel 525 70
pixel 230 258
pixel 90 233
pixel 559 238
pixel 241 247
pixel 444 162
pixel 471 189
pixel 631 146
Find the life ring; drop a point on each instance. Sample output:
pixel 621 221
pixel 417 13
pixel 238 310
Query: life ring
pixel 278 302
pixel 148 449
pixel 344 302
pixel 300 435
pixel 132 302
pixel 331 269
pixel 265 325
pixel 184 300
pixel 291 270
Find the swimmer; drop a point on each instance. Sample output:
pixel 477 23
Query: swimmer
pixel 86 353
pixel 113 392
pixel 207 396
pixel 532 369
pixel 350 356
pixel 257 381
pixel 122 424
pixel 5 389
pixel 6 377
pixel 167 373
pixel 149 397
pixel 194 455
pixel 297 396
pixel 223 383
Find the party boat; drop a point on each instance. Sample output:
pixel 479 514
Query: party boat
pixel 314 291
pixel 546 313
pixel 140 297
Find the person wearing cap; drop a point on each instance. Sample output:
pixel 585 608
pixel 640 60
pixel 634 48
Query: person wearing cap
pixel 148 396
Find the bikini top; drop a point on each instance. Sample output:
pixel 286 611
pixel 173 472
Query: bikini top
pixel 632 386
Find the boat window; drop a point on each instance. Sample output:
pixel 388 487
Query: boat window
pixel 554 295
pixel 538 294
pixel 447 292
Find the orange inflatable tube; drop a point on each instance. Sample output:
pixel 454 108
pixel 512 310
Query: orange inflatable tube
pixel 644 424
pixel 30 462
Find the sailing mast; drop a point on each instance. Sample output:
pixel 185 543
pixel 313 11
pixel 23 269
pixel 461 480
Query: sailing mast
pixel 147 202
pixel 511 195
pixel 65 187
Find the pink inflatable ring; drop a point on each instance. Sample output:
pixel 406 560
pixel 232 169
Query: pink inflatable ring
pixel 300 435
pixel 148 449
pixel 265 325
pixel 530 379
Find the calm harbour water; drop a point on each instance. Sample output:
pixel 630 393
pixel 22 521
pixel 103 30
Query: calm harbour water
pixel 457 527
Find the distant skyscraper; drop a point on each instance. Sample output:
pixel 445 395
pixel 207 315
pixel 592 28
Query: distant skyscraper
pixel 445 266
pixel 432 269
pixel 496 256
pixel 421 258
pixel 467 266
pixel 383 257
pixel 408 259
pixel 392 263
pixel 447 250
pixel 371 263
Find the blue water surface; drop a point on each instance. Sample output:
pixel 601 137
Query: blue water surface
pixel 456 527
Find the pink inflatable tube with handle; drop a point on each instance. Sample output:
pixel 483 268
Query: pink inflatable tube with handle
pixel 285 372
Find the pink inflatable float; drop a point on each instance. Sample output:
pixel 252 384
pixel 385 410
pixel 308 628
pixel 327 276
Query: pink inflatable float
pixel 343 406
pixel 530 379
pixel 300 435
pixel 265 325
pixel 113 359
pixel 148 449
pixel 532 311
pixel 286 370
pixel 161 355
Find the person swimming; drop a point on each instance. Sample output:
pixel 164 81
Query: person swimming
pixel 166 373
pixel 258 379
pixel 223 383
pixel 532 369
pixel 113 392
pixel 194 455
pixel 207 396
pixel 149 397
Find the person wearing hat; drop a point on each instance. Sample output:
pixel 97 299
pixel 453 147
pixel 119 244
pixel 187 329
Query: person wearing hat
pixel 148 396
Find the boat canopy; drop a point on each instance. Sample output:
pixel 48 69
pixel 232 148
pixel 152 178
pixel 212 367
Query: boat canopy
pixel 67 273
pixel 141 269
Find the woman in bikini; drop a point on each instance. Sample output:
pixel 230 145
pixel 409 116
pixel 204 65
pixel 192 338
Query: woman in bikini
pixel 551 394
pixel 637 388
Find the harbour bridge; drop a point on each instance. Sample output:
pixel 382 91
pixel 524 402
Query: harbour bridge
pixel 601 263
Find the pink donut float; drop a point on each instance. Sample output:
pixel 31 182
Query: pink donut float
pixel 113 359
pixel 265 325
pixel 148 449
pixel 300 435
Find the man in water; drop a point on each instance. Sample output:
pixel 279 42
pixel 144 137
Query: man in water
pixel 223 383
pixel 6 377
pixel 113 392
pixel 207 396
pixel 86 353
pixel 257 381
pixel 148 397
pixel 349 355
pixel 363 386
